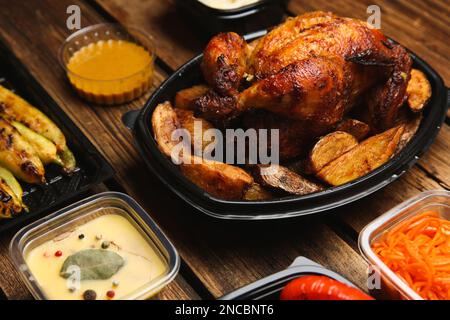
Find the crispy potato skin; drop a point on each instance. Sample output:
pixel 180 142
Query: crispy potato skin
pixel 418 90
pixel 281 178
pixel 364 158
pixel 411 127
pixel 256 192
pixel 219 179
pixel 187 121
pixel 164 122
pixel 356 128
pixel 328 148
pixel 185 99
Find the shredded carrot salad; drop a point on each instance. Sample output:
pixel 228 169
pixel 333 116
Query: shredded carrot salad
pixel 418 251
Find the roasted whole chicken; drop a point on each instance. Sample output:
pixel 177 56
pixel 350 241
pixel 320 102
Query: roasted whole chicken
pixel 343 97
pixel 307 73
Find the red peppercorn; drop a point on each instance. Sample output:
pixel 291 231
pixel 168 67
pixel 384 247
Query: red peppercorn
pixel 110 294
pixel 58 253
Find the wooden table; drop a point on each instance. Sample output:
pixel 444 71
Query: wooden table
pixel 220 256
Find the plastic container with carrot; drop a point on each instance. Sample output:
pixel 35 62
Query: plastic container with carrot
pixel 409 247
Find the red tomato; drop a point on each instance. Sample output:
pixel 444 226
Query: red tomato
pixel 320 288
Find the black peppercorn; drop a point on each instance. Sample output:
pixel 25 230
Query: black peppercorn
pixel 106 244
pixel 81 236
pixel 89 295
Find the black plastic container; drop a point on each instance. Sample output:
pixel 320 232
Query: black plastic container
pixel 269 288
pixel 243 20
pixel 291 206
pixel 92 167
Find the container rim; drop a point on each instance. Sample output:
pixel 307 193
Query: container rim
pixel 364 240
pixel 172 256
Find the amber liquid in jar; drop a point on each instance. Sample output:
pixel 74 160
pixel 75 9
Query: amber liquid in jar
pixel 111 71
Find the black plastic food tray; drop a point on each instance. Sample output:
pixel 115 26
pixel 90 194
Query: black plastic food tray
pixel 290 206
pixel 269 288
pixel 92 167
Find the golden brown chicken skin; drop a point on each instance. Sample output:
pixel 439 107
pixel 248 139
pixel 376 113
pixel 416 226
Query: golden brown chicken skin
pixel 318 90
pixel 314 89
pixel 315 68
pixel 349 39
pixel 284 34
pixel 224 62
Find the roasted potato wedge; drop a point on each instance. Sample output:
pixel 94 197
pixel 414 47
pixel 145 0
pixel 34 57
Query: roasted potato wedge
pixel 219 179
pixel 356 128
pixel 362 159
pixel 281 178
pixel 185 99
pixel 164 122
pixel 257 192
pixel 328 148
pixel 187 121
pixel 418 90
pixel 411 128
pixel 18 156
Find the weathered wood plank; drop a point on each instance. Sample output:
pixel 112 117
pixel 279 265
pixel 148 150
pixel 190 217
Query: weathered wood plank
pixel 359 214
pixel 9 283
pixel 435 161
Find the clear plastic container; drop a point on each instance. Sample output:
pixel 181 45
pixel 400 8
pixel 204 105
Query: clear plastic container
pixel 112 90
pixel 80 213
pixel 392 286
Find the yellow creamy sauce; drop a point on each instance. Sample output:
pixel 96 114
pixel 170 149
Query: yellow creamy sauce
pixel 142 263
pixel 227 4
pixel 110 67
